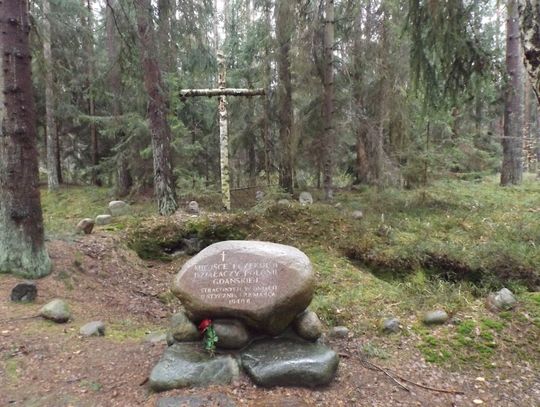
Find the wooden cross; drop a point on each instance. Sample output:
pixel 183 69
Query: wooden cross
pixel 222 91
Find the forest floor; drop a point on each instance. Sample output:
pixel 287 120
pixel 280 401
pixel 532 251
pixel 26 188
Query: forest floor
pixel 366 269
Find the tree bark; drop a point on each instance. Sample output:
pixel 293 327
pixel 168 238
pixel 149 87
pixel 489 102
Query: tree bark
pixel 164 183
pixel 267 103
pixel 329 143
pixel 529 12
pixel 223 135
pixel 22 247
pixel 124 181
pixel 88 44
pixel 52 145
pixel 165 11
pixel 511 171
pixel 284 21
pixel 358 77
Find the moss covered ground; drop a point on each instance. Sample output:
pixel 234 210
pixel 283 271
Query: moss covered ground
pixel 442 246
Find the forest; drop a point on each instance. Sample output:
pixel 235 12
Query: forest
pixel 395 143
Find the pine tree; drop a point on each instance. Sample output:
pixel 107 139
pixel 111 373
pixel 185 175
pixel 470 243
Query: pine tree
pixel 22 246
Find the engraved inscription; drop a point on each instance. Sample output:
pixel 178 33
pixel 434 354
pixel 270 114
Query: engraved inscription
pixel 231 283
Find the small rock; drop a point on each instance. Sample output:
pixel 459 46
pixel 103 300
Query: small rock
pixel 391 326
pixel 182 329
pixel 308 326
pixel 437 317
pixel 339 332
pixel 85 226
pixel 24 292
pixel 357 215
pixel 103 220
pixel 57 310
pixel 193 207
pixel 118 208
pixel 259 196
pixel 231 333
pixel 94 328
pixel 284 202
pixel 288 362
pixel 338 205
pixel 187 364
pixel 305 198
pixel 156 337
pixel 503 299
pixel 169 338
pixel 478 401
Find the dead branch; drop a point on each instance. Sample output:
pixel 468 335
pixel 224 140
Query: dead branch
pixel 394 375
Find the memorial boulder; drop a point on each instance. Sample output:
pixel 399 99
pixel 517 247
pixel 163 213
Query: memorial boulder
pixel 264 284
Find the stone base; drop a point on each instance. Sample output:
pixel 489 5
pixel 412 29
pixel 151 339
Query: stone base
pixel 285 361
pixel 289 362
pixel 187 364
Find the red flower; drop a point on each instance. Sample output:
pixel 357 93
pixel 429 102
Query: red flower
pixel 203 326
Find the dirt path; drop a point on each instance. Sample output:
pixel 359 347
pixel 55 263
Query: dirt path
pixel 44 364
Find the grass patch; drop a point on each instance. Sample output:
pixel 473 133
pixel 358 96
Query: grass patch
pixel 11 369
pixel 128 330
pixel 63 209
pixel 473 231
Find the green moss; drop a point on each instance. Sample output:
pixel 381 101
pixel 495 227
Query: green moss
pixel 11 368
pixel 466 328
pixel 128 330
pixel 91 385
pixel 492 324
pixel 156 241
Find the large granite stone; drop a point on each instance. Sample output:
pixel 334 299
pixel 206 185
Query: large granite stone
pixel 289 362
pixel 264 284
pixel 187 364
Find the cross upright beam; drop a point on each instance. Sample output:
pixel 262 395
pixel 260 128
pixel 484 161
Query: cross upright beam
pixel 222 92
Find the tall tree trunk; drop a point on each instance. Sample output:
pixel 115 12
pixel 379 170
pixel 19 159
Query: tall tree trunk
pixel 361 127
pixel 88 44
pixel 22 246
pixel 124 181
pixel 511 171
pixel 52 145
pixel 529 12
pixel 165 10
pixel 284 21
pixel 329 144
pixel 164 183
pixel 267 102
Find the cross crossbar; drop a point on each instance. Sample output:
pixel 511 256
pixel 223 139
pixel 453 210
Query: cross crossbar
pixel 222 92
